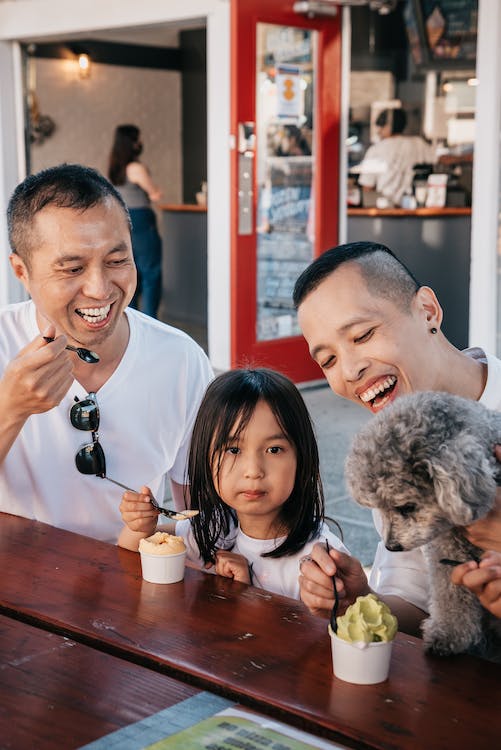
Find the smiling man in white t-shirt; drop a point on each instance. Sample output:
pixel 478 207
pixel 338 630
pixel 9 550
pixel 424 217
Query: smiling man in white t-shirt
pixel 71 248
pixel 376 335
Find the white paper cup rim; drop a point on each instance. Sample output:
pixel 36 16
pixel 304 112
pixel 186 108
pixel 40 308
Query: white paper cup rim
pixel 163 555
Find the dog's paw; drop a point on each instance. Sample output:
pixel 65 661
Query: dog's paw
pixel 442 647
pixel 443 642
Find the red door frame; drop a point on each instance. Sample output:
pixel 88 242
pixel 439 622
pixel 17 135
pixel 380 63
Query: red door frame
pixel 289 355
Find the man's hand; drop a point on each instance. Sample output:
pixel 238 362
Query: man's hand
pixel 38 378
pixel 483 579
pixel 486 533
pixel 33 382
pixel 315 580
pixel 231 565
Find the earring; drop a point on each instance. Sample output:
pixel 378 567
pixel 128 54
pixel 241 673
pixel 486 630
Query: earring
pixel 433 330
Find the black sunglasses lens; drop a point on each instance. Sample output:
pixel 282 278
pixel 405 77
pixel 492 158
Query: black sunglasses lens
pixel 90 460
pixel 84 415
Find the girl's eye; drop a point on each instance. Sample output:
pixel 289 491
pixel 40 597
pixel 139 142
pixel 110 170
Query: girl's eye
pixel 274 449
pixel 233 450
pixel 365 336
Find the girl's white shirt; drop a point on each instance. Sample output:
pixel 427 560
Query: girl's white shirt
pixel 277 574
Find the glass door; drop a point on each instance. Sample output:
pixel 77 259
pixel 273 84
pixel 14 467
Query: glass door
pixel 285 110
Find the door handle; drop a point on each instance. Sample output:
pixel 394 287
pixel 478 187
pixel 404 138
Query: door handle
pixel 246 155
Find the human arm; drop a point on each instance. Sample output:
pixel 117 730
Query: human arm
pixel 137 173
pixel 317 592
pixel 140 519
pixel 35 381
pixel 483 579
pixel 231 565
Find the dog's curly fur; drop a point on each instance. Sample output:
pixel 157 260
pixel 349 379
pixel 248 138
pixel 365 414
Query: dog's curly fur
pixel 427 464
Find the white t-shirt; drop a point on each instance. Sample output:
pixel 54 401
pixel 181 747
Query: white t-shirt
pixel 405 574
pixel 276 574
pixel 387 165
pixel 147 409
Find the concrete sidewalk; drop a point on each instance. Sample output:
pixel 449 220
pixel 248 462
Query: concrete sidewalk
pixel 336 421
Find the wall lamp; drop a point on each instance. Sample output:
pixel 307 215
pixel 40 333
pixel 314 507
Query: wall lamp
pixel 82 60
pixel 83 65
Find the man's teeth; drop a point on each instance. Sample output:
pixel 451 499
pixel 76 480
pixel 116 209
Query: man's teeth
pixel 94 314
pixel 371 394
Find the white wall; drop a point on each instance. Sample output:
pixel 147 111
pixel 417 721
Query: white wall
pixel 486 180
pixel 11 158
pixel 86 113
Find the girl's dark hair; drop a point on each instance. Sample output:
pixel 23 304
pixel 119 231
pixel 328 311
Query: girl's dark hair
pixel 123 151
pixel 230 401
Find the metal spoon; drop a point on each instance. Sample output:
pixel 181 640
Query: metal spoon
pixel 174 514
pixel 90 357
pixel 333 620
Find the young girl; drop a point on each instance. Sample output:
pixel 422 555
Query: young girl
pixel 254 476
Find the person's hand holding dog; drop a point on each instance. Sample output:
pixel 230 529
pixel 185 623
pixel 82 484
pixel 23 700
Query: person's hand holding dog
pixel 483 579
pixel 486 533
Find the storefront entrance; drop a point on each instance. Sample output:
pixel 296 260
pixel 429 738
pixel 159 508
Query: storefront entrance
pixel 285 173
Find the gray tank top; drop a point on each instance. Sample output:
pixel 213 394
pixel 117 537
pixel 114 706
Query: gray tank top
pixel 133 195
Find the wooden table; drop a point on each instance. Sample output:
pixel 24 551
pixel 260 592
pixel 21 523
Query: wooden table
pixel 55 692
pixel 263 650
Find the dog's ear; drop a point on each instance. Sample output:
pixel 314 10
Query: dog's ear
pixel 463 476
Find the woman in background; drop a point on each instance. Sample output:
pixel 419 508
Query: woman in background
pixel 133 181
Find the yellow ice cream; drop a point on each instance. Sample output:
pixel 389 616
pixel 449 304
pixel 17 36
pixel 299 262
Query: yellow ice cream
pixel 368 619
pixel 162 543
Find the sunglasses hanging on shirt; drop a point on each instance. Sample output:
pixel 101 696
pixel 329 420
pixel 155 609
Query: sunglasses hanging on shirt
pixel 90 459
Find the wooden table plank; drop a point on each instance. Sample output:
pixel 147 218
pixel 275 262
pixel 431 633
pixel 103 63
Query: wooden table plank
pixel 263 650
pixel 57 693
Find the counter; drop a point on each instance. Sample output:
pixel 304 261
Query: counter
pixel 184 235
pixel 435 245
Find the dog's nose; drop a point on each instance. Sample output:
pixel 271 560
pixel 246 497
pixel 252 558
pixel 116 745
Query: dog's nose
pixel 395 547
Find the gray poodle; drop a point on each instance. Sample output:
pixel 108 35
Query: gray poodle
pixel 427 464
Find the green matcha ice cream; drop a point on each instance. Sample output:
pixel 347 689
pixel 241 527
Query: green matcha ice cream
pixel 367 620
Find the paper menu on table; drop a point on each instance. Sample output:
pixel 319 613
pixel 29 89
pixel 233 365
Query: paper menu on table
pixel 236 728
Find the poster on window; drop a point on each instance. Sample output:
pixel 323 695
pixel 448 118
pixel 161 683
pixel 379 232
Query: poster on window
pixel 289 92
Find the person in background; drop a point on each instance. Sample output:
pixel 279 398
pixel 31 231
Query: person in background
pixel 254 476
pixel 132 179
pixel 292 142
pixel 387 164
pixel 69 232
pixel 375 333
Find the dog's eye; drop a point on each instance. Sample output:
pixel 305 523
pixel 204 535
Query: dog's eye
pixel 406 510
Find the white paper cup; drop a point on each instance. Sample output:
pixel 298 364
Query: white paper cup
pixel 163 568
pixel 360 663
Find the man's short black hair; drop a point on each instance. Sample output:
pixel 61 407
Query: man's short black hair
pixel 385 275
pixel 396 117
pixel 64 186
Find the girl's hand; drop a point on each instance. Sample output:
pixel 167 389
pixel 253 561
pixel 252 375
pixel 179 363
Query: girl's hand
pixel 315 580
pixel 483 579
pixel 231 565
pixel 138 513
